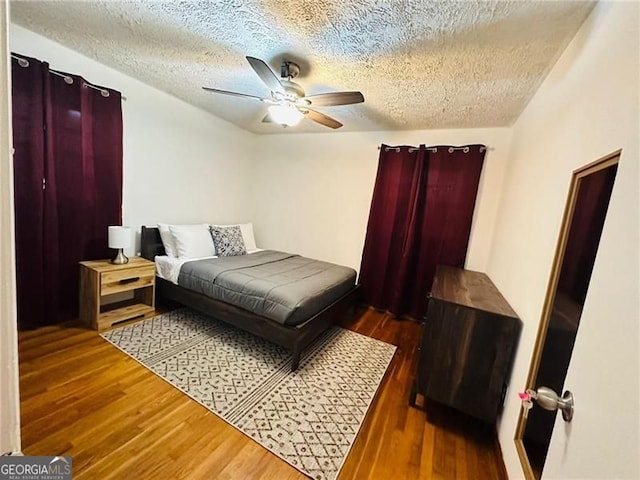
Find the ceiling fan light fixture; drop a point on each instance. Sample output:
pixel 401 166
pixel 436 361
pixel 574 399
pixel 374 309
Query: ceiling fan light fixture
pixel 289 103
pixel 285 114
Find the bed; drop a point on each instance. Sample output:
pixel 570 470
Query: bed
pixel 271 319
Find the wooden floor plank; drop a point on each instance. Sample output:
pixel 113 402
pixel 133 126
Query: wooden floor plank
pixel 81 396
pixel 427 451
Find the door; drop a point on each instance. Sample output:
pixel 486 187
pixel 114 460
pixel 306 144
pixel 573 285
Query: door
pixel 588 338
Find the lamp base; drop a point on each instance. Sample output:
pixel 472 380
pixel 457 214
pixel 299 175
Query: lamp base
pixel 120 258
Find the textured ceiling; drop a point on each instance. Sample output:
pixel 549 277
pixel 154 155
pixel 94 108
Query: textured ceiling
pixel 420 64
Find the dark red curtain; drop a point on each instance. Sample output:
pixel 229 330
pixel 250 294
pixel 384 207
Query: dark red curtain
pixel 28 172
pixel 79 165
pixel 421 215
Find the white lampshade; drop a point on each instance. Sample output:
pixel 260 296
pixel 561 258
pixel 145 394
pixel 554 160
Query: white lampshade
pixel 119 237
pixel 285 114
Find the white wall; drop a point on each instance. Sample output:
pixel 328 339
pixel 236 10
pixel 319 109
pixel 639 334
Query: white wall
pixel 181 164
pixel 9 401
pixel 585 109
pixel 312 192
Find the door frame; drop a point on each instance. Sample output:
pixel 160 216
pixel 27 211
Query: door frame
pixel 9 388
pixel 567 218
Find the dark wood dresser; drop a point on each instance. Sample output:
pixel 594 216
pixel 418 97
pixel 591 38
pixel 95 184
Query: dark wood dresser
pixel 468 344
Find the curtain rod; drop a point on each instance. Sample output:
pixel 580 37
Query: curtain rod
pixel 435 149
pixel 23 62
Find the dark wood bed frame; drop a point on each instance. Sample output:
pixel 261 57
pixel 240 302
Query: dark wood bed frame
pixel 292 337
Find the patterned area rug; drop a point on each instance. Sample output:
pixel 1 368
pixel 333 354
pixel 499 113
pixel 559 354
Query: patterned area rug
pixel 309 418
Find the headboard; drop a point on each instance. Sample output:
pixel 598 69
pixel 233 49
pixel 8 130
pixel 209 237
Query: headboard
pixel 151 243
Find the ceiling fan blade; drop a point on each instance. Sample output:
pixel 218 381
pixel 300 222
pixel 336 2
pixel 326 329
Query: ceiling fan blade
pixel 266 74
pixel 235 94
pixel 322 119
pixel 335 98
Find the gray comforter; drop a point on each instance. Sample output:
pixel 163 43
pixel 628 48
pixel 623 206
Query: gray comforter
pixel 283 287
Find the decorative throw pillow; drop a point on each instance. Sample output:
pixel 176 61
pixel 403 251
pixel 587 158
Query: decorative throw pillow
pixel 247 234
pixel 228 241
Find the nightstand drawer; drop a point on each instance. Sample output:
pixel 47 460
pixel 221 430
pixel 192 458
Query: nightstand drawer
pixel 126 277
pixel 126 284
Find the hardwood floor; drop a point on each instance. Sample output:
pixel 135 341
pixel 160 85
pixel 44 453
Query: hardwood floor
pixel 81 396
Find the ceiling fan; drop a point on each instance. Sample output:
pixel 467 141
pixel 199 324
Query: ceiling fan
pixel 288 101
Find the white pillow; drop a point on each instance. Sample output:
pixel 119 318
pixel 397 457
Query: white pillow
pixel 193 241
pixel 167 240
pixel 247 234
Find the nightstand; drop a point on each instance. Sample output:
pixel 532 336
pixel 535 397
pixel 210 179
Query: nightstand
pixel 111 294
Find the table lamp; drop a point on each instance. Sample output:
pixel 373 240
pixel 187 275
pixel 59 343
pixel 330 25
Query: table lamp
pixel 119 238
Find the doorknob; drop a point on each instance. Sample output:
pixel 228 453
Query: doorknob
pixel 549 400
